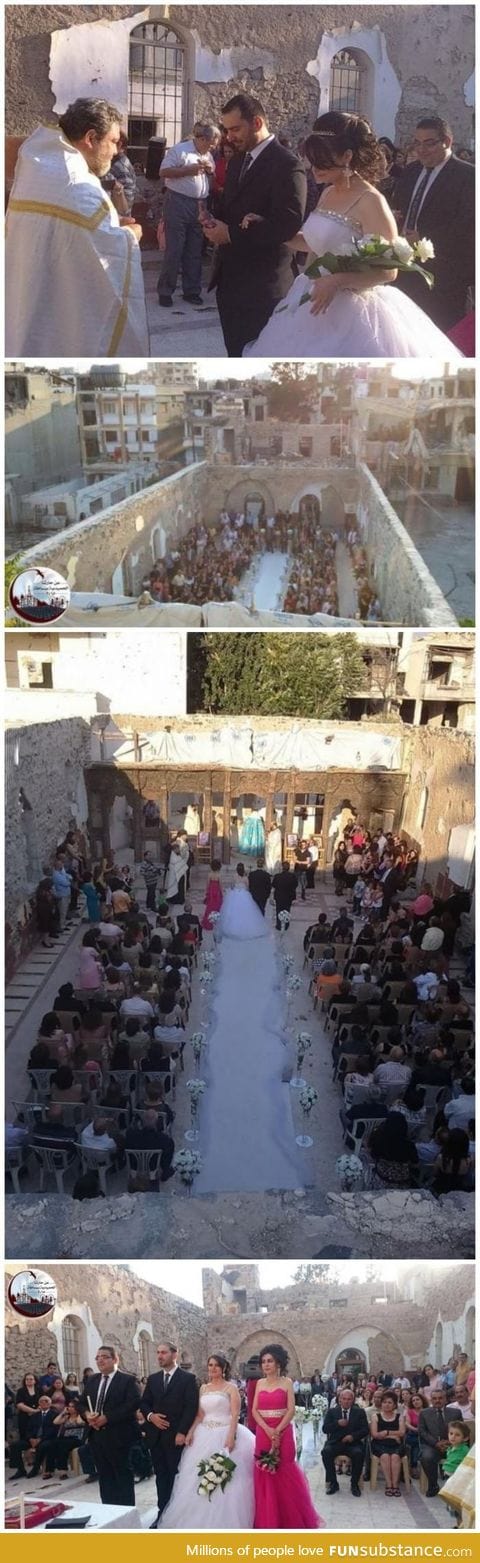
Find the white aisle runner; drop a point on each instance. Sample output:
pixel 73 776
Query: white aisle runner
pixel 264 582
pixel 247 1135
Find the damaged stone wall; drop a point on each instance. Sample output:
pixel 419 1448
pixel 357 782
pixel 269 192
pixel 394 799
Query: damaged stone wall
pixel 47 761
pixel 417 59
pixel 442 781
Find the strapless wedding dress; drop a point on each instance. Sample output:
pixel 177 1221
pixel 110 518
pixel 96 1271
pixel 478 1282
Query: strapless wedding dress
pixel 232 1509
pixel 240 917
pixel 381 323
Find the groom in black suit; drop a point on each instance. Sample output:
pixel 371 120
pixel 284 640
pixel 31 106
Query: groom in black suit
pixel 169 1404
pixel 260 884
pixel 253 267
pixel 435 197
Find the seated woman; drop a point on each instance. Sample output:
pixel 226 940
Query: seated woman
pixel 388 1430
pixel 90 973
pixel 42 1056
pixel 170 1013
pixel 394 1155
pixel 136 1038
pixel 64 1087
pixel 454 1167
pixel 59 1042
pixel 413 1404
pixel 328 981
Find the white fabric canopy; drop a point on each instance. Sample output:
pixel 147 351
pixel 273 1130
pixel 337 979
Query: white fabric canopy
pixel 298 748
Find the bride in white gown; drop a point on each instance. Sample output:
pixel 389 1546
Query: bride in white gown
pixel 215 1430
pixel 240 917
pixel 349 314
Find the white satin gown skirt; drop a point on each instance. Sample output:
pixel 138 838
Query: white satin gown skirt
pixel 232 1509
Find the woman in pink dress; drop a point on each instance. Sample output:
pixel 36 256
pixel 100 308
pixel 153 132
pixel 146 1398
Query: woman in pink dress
pixel 213 895
pixel 282 1496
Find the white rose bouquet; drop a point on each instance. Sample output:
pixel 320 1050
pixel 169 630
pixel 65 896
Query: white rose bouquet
pixel 198 1042
pixel 293 984
pixel 304 1043
pixel 372 253
pixel 215 1474
pixel 196 1089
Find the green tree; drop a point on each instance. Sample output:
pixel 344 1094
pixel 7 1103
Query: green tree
pixel 277 675
pixel 292 392
pixel 320 1274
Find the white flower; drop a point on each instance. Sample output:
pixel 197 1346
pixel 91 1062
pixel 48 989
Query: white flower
pixel 424 250
pixel 402 250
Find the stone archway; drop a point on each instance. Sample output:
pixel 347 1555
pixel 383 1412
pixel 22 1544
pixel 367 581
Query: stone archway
pixel 254 1343
pixel 235 498
pixel 378 1349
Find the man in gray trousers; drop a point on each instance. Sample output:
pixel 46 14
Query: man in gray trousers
pixel 188 170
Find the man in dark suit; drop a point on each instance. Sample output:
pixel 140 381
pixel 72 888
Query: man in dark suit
pixel 284 891
pixel 435 198
pixel 346 1428
pixel 40 1434
pixel 260 884
pixel 433 1437
pixel 108 1407
pixel 169 1404
pixel 253 266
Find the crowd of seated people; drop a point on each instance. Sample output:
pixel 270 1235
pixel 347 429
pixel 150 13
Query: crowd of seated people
pixel 312 584
pixel 207 565
pixel 101 1072
pixel 401 1029
pixel 398 1420
pixel 46 1435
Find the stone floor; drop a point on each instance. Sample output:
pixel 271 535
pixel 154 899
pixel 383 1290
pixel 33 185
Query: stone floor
pixel 186 330
pixel 340 1512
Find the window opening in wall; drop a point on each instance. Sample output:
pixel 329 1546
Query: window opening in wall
pixel 345 83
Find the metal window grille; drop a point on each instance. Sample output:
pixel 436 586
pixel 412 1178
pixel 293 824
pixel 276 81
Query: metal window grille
pixel 71 1333
pixel 345 83
pixel 156 84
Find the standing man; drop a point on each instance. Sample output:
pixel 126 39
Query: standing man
pixel 62 890
pixel 169 1404
pixel 253 267
pixel 260 884
pixel 284 891
pixel 109 1407
pixel 74 282
pixel 346 1428
pixel 150 873
pixel 436 200
pixel 188 169
pixel 433 1436
pixel 313 857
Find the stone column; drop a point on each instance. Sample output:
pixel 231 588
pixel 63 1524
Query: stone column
pixel 227 805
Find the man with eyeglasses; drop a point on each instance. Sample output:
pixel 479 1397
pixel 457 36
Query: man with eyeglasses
pixel 435 199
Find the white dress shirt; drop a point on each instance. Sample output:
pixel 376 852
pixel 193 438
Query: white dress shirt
pixel 197 186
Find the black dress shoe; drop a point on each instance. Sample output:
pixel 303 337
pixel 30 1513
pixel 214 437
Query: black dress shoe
pixel 155 1523
pixel 90 1479
pixel 355 1490
pixel 334 1487
pixel 432 1492
pixel 165 300
pixel 193 298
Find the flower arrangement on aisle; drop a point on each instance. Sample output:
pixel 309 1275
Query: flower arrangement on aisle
pixel 308 1097
pixel 351 1172
pixel 195 1090
pixel 284 920
pixel 372 253
pixel 303 1046
pixel 288 961
pixel 301 1415
pixel 188 1164
pixel 293 984
pixel 269 1460
pixel 215 1473
pixel 319 1406
pixel 198 1041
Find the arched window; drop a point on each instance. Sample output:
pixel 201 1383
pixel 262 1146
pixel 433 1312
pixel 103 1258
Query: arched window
pixel 143 1354
pixel 345 83
pixel 156 84
pixel 72 1345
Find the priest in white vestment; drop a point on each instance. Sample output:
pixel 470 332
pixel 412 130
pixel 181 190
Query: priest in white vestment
pixel 74 282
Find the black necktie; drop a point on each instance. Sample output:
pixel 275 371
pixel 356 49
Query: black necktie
pixel 247 163
pixel 101 1396
pixel 416 201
